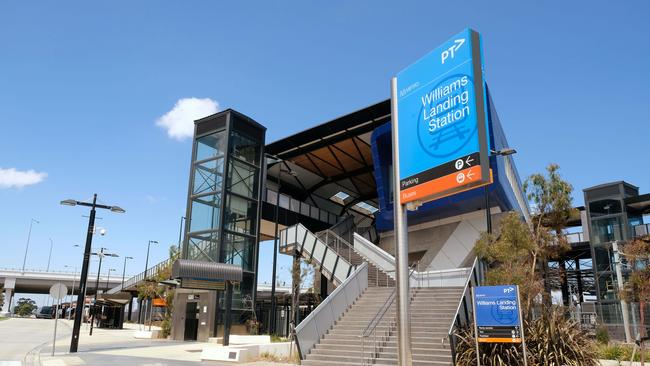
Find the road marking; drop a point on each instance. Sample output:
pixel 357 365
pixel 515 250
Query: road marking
pixel 10 363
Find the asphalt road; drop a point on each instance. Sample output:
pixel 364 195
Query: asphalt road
pixel 20 336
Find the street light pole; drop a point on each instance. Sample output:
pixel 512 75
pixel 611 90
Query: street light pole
pixel 486 189
pixel 49 258
pixel 99 270
pixel 124 271
pixel 108 279
pixel 29 235
pixel 74 277
pixel 275 245
pixel 146 264
pixel 74 342
pixel 275 255
pixel 180 233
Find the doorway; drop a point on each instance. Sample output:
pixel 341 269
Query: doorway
pixel 191 321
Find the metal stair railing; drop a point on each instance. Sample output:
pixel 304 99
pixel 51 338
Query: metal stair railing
pixel 371 329
pixel 463 316
pixel 298 238
pixel 337 243
pixel 140 277
pixel 312 329
pixel 346 250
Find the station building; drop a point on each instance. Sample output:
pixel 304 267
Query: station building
pixel 330 181
pixel 326 194
pixel 585 276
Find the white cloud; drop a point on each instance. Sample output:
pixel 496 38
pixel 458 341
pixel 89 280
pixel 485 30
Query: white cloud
pixel 151 199
pixel 12 178
pixel 179 122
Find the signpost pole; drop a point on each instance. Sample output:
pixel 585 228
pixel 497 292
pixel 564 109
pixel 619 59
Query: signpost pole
pixel 478 354
pixel 401 246
pixel 58 291
pixel 56 322
pixel 521 322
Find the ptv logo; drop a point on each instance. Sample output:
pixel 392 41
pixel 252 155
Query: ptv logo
pixel 451 51
pixel 509 290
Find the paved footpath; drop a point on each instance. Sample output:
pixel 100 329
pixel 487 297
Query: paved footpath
pixel 117 347
pixel 20 336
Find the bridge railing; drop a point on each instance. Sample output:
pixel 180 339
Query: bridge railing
pixel 135 280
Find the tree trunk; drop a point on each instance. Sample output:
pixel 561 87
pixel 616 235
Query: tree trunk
pixel 642 330
pixel 295 288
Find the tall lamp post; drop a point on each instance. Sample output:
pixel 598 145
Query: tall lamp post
pixel 29 235
pixel 108 279
pixel 74 342
pixel 486 189
pixel 275 240
pixel 49 258
pixel 146 265
pixel 101 256
pixel 124 270
pixel 180 233
pixel 74 277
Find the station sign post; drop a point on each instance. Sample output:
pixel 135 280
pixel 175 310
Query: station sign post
pixel 497 316
pixel 58 291
pixel 440 144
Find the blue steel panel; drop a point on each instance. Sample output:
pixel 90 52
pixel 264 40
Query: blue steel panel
pixel 501 192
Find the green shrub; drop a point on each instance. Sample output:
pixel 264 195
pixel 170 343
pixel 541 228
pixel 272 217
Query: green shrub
pixel 166 327
pixel 620 352
pixel 602 335
pixel 275 339
pixel 551 340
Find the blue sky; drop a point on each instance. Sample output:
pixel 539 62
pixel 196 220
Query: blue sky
pixel 83 84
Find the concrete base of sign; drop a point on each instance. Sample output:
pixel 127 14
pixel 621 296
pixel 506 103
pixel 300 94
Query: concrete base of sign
pixel 243 339
pixel 247 352
pixel 146 334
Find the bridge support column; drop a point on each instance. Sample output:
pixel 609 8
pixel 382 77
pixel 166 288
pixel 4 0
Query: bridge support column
pixel 128 317
pixel 9 285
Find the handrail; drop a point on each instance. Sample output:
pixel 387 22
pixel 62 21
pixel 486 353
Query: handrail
pixel 140 276
pixel 377 319
pixel 474 278
pixel 462 297
pixel 374 254
pixel 320 320
pixel 384 307
pixel 329 233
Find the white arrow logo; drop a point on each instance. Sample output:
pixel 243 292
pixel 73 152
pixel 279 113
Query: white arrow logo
pixel 470 175
pixel 458 42
pixel 469 160
pixel 451 51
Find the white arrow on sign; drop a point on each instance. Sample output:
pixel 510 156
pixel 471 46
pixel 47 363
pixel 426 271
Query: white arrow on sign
pixel 470 175
pixel 458 42
pixel 469 160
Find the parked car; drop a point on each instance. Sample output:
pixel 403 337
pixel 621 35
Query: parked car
pixel 45 312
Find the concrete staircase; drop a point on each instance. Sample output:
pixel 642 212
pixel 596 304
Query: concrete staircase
pixel 376 277
pixel 431 312
pixel 343 345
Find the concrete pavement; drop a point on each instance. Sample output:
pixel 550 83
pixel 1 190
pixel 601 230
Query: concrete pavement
pixel 20 336
pixel 111 347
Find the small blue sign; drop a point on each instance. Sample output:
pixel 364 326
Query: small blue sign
pixel 442 119
pixel 497 313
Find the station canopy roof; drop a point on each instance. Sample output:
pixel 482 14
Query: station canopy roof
pixel 330 165
pixel 640 203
